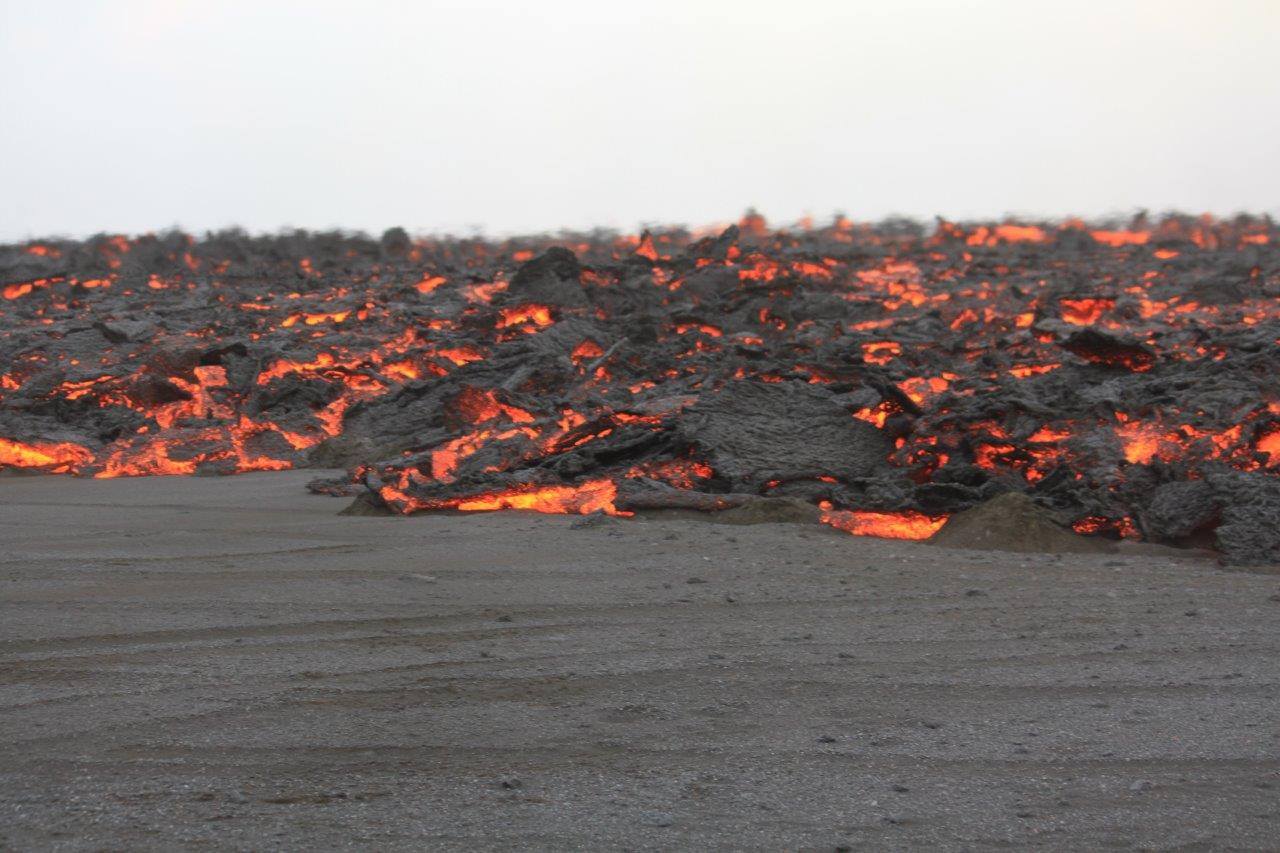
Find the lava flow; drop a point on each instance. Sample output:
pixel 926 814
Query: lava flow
pixel 1123 374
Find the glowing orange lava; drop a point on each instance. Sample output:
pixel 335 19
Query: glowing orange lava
pixel 905 524
pixel 57 457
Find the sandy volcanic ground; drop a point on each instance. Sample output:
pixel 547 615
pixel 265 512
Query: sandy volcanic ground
pixel 227 662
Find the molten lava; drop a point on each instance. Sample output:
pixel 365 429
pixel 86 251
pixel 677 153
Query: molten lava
pixel 55 457
pixel 1091 366
pixel 905 524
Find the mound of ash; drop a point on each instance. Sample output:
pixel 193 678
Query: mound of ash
pixel 1123 378
pixel 1013 521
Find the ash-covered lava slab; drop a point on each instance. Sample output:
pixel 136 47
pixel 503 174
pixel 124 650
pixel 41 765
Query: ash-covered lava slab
pixel 756 436
pixel 1125 376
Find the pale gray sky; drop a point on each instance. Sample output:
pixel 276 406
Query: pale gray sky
pixel 135 115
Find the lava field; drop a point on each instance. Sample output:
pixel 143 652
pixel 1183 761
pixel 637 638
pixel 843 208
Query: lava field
pixel 883 377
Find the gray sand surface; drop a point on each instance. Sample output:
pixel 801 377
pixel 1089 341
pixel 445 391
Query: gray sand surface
pixel 228 663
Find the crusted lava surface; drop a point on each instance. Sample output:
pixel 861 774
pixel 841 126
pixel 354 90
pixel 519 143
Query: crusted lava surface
pixel 1125 376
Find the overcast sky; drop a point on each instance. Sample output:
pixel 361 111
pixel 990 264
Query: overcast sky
pixel 527 115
